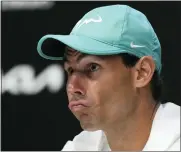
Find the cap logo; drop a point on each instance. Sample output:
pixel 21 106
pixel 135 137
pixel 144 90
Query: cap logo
pixel 87 21
pixel 132 45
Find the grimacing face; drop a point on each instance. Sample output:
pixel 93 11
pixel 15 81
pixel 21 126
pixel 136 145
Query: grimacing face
pixel 100 89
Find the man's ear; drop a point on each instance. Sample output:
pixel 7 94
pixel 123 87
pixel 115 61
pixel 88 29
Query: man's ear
pixel 144 70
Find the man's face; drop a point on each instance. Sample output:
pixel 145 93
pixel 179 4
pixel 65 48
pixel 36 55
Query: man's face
pixel 100 89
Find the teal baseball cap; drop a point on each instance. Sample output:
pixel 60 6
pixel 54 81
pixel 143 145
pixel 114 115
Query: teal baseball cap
pixel 106 30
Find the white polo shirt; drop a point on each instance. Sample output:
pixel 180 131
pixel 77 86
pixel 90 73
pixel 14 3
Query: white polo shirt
pixel 164 136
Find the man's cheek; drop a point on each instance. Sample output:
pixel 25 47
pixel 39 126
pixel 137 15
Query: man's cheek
pixel 93 93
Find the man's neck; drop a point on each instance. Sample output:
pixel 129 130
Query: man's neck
pixel 134 133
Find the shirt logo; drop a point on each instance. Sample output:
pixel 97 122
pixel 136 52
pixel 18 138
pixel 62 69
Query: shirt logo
pixel 87 21
pixel 136 46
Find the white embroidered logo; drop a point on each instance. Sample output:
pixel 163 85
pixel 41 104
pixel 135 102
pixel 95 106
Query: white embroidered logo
pixel 86 21
pixel 136 46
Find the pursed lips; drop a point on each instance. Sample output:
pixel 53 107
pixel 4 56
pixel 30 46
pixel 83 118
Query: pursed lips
pixel 77 105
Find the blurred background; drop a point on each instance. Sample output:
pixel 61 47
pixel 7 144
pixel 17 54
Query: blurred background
pixel 34 108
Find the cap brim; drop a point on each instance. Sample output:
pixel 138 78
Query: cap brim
pixel 79 43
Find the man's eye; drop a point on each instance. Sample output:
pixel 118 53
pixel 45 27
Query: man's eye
pixel 93 67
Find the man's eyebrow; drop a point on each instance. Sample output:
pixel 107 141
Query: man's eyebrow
pixel 83 55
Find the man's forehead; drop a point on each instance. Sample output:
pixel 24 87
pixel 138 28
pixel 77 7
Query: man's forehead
pixel 71 51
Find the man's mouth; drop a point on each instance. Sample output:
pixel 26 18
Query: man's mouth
pixel 76 106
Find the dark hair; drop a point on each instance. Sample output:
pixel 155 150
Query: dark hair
pixel 156 82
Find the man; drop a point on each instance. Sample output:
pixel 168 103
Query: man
pixel 113 62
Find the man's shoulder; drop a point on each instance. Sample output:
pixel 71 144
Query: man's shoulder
pixel 165 132
pixel 171 110
pixel 170 105
pixel 169 117
pixel 86 140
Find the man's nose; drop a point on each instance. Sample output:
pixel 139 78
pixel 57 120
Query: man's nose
pixel 76 85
